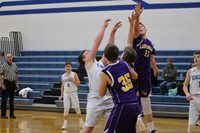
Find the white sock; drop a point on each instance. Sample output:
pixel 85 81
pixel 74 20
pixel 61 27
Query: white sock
pixel 65 122
pixel 140 124
pixel 150 126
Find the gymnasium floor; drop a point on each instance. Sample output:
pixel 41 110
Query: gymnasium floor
pixel 51 122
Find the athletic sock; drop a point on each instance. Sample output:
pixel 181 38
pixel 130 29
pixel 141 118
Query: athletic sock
pixel 150 126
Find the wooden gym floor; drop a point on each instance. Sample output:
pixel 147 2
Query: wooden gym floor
pixel 51 122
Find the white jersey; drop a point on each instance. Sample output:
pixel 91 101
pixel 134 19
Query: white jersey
pixel 194 81
pixel 94 79
pixel 68 85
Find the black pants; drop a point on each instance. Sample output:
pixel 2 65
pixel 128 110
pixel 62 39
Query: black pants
pixel 10 91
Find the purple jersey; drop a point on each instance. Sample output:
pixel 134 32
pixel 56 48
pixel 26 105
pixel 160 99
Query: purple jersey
pixel 124 114
pixel 121 89
pixel 144 49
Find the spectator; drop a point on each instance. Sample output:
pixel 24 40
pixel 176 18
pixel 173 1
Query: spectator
pixel 169 75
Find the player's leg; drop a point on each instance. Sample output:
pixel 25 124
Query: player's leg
pixel 123 119
pixel 193 113
pixel 146 104
pixel 76 106
pixel 107 106
pixel 144 92
pixel 140 124
pixel 66 103
pixel 93 114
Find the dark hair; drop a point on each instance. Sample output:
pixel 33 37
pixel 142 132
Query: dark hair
pixel 80 58
pixel 169 60
pixel 142 24
pixel 129 55
pixel 111 52
pixel 68 63
pixel 196 52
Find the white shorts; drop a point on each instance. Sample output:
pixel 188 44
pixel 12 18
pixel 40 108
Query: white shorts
pixel 97 108
pixel 71 98
pixel 194 110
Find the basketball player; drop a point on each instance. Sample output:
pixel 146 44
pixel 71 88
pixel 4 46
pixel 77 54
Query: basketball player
pixel 145 60
pixel 69 83
pixel 117 77
pixel 127 54
pixel 193 79
pixel 97 106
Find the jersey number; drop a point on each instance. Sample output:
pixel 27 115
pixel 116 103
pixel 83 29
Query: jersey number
pixel 126 82
pixel 147 53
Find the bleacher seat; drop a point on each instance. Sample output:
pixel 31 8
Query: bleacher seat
pixel 36 85
pixel 22 101
pixel 46 59
pixel 44 64
pixel 39 78
pixel 35 94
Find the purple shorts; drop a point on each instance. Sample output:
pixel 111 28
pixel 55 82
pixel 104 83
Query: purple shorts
pixel 123 118
pixel 143 85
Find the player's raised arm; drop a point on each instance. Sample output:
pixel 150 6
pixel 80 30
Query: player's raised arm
pixel 131 20
pixel 97 42
pixel 112 33
pixel 138 11
pixel 112 37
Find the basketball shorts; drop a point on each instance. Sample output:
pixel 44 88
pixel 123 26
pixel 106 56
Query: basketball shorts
pixel 123 118
pixel 194 110
pixel 71 98
pixel 97 108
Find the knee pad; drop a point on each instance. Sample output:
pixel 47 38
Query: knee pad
pixel 140 123
pixel 146 105
pixel 78 111
pixel 66 111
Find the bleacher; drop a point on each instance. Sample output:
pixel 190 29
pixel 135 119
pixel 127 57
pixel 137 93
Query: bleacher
pixel 41 70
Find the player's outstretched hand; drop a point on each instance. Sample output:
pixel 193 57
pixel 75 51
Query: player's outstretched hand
pixel 116 26
pixel 138 10
pixel 132 18
pixel 106 22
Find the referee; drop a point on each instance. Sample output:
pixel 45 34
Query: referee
pixel 8 83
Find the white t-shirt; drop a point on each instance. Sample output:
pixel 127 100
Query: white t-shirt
pixel 194 81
